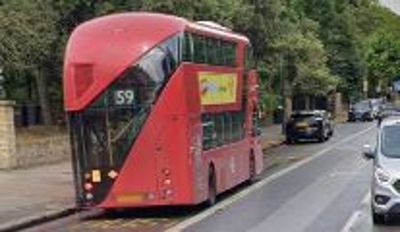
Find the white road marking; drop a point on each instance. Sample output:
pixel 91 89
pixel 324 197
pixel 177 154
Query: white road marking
pixel 348 226
pixel 229 201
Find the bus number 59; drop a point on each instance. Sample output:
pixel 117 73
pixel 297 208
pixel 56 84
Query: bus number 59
pixel 124 97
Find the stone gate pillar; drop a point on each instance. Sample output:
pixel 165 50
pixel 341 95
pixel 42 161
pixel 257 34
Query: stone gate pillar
pixel 7 135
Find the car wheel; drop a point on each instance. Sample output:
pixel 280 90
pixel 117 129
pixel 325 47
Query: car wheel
pixel 378 219
pixel 327 136
pixel 322 136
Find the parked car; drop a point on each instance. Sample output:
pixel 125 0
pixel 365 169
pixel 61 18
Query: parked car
pixel 376 106
pixel 387 110
pixel 361 111
pixel 316 124
pixel 385 187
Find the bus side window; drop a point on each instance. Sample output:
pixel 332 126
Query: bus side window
pixel 208 132
pixel 230 53
pixel 187 48
pixel 219 52
pixel 212 51
pixel 227 127
pixel 199 49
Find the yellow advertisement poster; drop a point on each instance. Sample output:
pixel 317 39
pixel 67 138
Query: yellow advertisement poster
pixel 217 88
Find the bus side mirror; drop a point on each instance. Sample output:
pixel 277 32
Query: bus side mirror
pixel 258 131
pixel 368 152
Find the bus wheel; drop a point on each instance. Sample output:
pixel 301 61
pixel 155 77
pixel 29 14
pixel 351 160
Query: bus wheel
pixel 252 169
pixel 212 187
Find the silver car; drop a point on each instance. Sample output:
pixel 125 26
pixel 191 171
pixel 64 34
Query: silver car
pixel 385 192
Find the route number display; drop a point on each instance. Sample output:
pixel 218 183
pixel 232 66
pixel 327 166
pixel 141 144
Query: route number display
pixel 124 97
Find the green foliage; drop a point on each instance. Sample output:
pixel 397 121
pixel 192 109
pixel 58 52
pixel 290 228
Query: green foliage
pixel 383 60
pixel 315 45
pixel 27 30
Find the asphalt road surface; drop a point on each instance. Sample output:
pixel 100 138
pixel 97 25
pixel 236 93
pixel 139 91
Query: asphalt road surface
pixel 315 188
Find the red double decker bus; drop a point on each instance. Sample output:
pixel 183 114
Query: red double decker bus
pixel 160 110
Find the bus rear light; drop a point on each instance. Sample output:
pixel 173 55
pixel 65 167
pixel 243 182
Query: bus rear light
pixel 89 196
pixel 168 192
pixel 87 176
pixel 166 171
pixel 96 176
pixel 151 196
pixel 112 174
pixel 88 186
pixel 167 181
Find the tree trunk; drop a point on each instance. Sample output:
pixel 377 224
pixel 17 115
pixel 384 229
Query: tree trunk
pixel 41 84
pixel 306 102
pixel 287 101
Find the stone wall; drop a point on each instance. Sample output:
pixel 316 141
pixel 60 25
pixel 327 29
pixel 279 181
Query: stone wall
pixel 29 146
pixel 7 135
pixel 44 150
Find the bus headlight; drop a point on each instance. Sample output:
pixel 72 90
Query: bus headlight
pixel 382 176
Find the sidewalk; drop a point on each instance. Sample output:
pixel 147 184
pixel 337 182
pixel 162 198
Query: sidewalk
pixel 34 194
pixel 272 136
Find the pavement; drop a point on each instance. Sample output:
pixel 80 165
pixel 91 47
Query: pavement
pixel 34 194
pixel 271 136
pixel 43 193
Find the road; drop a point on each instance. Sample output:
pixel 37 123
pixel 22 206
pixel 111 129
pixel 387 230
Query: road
pixel 315 187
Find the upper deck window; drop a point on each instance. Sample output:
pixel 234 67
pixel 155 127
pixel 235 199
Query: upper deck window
pixel 208 50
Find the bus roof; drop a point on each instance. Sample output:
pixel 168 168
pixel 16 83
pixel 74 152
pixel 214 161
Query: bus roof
pixel 104 47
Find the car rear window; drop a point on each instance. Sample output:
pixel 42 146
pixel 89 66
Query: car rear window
pixel 302 116
pixel 362 106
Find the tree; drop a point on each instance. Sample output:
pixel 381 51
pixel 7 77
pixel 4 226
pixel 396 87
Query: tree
pixel 383 61
pixel 320 43
pixel 26 32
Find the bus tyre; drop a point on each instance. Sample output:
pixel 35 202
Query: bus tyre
pixel 212 187
pixel 252 169
pixel 289 140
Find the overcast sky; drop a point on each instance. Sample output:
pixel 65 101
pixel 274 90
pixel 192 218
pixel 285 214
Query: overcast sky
pixel 392 4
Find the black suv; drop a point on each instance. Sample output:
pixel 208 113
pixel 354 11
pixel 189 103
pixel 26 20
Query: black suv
pixel 316 124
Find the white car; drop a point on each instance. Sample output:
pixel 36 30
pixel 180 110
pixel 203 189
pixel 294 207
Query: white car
pixel 385 188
